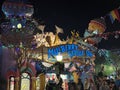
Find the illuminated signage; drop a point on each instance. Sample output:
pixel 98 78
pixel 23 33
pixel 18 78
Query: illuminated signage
pixel 70 49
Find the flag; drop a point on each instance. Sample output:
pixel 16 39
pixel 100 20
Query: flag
pixel 114 15
pixel 58 29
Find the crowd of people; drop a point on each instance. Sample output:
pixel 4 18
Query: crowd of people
pixel 99 83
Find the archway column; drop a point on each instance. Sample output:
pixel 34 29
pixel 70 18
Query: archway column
pixel 33 87
pixel 42 81
pixel 17 83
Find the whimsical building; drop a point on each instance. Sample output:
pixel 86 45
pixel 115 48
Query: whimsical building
pixel 32 61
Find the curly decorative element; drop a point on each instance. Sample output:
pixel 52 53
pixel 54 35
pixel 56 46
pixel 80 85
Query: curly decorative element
pixel 96 26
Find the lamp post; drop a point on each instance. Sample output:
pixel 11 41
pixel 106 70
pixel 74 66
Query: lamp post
pixel 59 68
pixel 59 65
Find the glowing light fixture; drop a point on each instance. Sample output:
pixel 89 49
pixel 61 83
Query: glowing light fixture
pixel 19 26
pixel 59 57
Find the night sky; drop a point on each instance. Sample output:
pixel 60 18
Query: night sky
pixel 75 15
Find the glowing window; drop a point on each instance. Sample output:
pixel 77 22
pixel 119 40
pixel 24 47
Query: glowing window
pixel 25 81
pixel 12 83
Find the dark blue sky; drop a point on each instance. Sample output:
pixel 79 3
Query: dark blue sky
pixel 74 14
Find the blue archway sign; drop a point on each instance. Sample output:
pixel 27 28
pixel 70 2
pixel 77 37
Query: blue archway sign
pixel 70 49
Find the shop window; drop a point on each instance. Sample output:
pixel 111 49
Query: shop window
pixel 25 81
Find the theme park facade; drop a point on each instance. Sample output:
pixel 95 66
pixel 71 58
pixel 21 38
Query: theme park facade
pixel 34 59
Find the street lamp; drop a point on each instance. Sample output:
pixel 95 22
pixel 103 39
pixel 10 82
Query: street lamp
pixel 59 65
